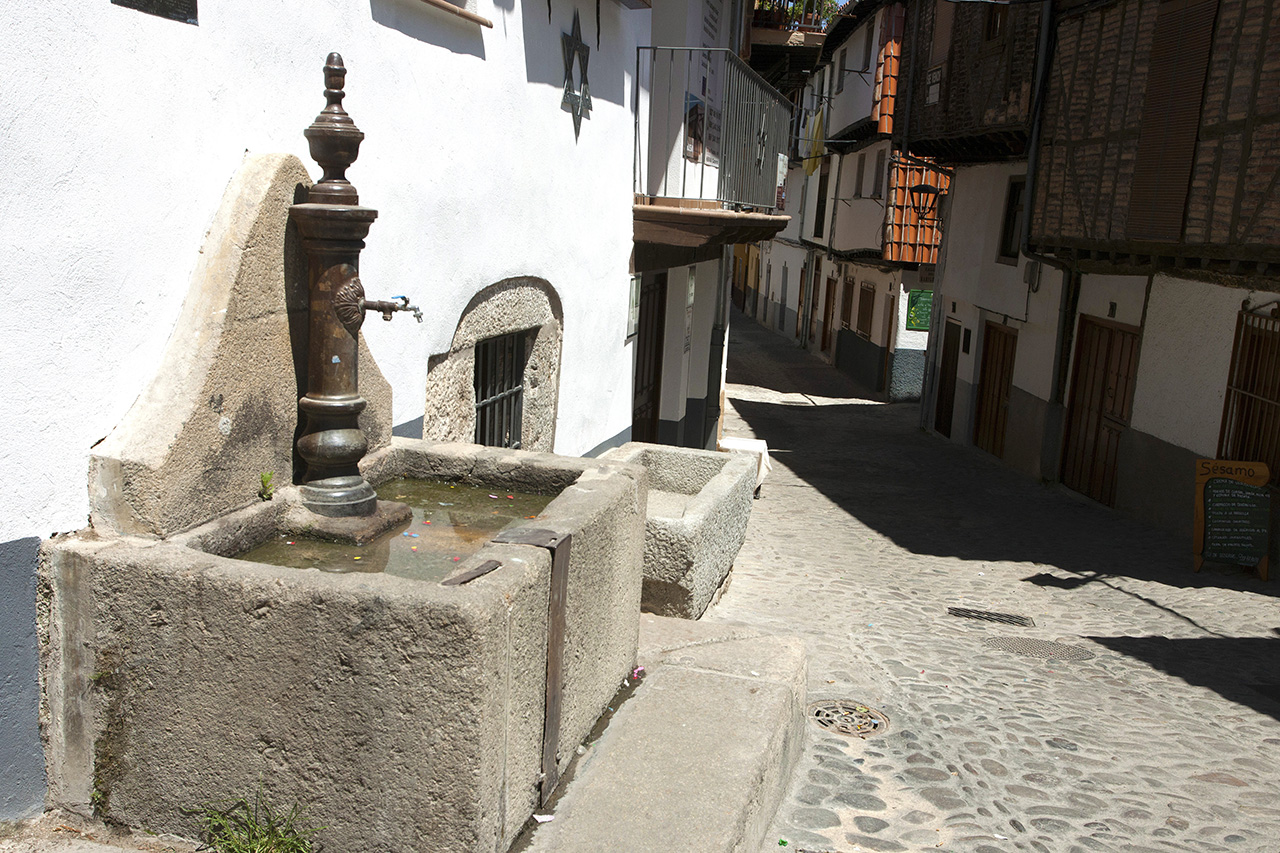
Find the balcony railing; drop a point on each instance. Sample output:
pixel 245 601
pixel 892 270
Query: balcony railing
pixel 707 128
pixel 805 15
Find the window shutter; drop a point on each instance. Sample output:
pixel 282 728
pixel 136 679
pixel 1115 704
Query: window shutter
pixel 1176 71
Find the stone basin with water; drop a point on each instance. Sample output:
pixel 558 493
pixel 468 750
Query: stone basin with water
pixel 405 714
pixel 451 522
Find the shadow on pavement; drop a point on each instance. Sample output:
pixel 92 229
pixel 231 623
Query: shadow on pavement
pixel 1244 670
pixel 932 497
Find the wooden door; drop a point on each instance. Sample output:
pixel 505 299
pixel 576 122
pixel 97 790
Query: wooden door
pixel 828 312
pixel 648 372
pixel 995 381
pixel 804 280
pixel 945 405
pixel 1101 406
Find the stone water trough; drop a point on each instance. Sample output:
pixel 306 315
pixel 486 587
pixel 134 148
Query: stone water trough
pixel 696 520
pixel 401 714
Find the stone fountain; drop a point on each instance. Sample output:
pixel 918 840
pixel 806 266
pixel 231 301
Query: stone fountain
pixel 402 714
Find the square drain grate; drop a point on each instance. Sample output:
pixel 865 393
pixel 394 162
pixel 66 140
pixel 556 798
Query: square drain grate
pixel 989 616
pixel 1032 648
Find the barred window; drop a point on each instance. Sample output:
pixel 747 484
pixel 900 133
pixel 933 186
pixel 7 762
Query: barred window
pixel 1251 411
pixel 499 383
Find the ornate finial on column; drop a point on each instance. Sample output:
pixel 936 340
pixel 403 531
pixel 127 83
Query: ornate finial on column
pixel 334 139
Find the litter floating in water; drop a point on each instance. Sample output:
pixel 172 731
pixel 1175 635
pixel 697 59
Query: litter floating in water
pixel 355 558
pixel 455 559
pixel 442 503
pixel 511 497
pixel 415 535
pixel 426 522
pixel 543 818
pixel 495 497
pixel 413 547
pixel 289 543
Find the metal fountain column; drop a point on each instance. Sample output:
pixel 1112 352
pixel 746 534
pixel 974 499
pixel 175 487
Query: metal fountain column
pixel 333 225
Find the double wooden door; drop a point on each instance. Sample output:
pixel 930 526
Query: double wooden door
pixel 1101 407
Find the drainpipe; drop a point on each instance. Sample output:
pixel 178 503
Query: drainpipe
pixel 1070 277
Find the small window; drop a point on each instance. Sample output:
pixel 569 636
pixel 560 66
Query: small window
pixel 1011 231
pixel 944 13
pixel 997 20
pixel 868 46
pixel 877 185
pixel 857 181
pixel 866 308
pixel 840 71
pixel 820 218
pixel 499 383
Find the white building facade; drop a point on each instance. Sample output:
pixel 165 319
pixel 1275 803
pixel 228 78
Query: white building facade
pixel 493 162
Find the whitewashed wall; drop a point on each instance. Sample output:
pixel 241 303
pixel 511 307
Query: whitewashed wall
pixel 125 128
pixel 1180 389
pixel 122 130
pixel 855 100
pixel 970 273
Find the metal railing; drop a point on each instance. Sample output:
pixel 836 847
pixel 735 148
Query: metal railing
pixel 708 127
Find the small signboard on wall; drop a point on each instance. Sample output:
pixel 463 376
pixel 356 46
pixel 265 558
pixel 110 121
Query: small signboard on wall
pixel 919 310
pixel 1232 513
pixel 174 10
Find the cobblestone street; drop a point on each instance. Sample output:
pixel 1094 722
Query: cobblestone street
pixel 1167 737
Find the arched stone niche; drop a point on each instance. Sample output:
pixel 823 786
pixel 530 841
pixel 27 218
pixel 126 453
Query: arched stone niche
pixel 523 304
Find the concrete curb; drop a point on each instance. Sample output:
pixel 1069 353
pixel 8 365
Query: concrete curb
pixel 699 757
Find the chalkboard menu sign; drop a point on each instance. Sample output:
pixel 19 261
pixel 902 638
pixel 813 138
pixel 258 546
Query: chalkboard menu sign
pixel 174 10
pixel 1233 513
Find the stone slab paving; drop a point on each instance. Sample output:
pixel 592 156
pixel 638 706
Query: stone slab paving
pixel 1166 738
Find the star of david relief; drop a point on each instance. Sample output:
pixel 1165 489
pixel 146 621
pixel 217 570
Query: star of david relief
pixel 577 100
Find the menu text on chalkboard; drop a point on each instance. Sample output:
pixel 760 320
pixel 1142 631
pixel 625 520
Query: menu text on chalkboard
pixel 1232 513
pixel 174 10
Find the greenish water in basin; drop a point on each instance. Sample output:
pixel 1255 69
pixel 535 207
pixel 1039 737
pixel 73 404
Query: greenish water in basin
pixel 451 521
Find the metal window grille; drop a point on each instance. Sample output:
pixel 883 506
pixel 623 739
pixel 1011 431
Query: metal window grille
pixel 499 382
pixel 1251 411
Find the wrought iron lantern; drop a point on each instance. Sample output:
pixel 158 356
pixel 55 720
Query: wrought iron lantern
pixel 924 201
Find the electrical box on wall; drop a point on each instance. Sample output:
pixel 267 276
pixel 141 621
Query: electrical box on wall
pixel 1031 275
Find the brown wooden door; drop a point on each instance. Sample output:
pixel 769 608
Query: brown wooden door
pixel 828 312
pixel 648 374
pixel 1101 405
pixel 804 280
pixel 946 402
pixel 995 381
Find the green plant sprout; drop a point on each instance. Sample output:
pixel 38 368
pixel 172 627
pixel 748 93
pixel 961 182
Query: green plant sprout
pixel 244 827
pixel 268 489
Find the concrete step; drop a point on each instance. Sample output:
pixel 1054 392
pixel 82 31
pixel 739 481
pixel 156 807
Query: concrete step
pixel 698 758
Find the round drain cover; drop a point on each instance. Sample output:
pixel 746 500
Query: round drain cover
pixel 1031 648
pixel 848 718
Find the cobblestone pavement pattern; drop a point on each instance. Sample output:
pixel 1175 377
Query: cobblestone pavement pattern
pixel 1166 739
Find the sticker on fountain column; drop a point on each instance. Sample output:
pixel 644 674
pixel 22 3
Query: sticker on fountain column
pixel 333 226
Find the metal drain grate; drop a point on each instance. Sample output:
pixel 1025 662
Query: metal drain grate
pixel 988 616
pixel 1037 648
pixel 848 718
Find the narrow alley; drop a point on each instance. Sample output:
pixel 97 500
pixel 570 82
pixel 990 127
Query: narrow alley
pixel 1140 711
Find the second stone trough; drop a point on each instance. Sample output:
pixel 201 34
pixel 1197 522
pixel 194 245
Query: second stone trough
pixel 699 505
